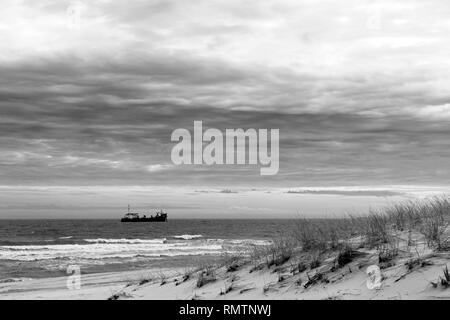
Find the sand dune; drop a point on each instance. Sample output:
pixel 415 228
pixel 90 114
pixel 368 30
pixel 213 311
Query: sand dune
pixel 415 272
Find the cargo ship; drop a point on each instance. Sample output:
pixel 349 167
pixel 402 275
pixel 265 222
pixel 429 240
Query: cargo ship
pixel 160 216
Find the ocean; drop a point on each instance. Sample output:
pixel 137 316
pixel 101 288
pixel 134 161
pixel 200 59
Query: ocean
pixel 45 248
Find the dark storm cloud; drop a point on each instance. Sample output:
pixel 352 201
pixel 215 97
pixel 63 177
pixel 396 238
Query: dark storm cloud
pixel 98 104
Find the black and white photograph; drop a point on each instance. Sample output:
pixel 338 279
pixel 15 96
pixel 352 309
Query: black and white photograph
pixel 229 150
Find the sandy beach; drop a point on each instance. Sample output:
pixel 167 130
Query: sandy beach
pixel 415 272
pixel 98 286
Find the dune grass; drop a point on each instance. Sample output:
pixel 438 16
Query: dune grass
pixel 310 243
pixel 316 237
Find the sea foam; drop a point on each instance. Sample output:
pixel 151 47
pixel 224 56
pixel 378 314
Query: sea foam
pixel 123 249
pixel 188 236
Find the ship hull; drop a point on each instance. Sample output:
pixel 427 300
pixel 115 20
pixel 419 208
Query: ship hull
pixel 154 219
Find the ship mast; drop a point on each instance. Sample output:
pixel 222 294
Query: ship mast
pixel 128 208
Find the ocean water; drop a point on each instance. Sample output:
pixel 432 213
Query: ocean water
pixel 45 248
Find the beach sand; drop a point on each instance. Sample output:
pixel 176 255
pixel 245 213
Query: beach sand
pixel 414 273
pixel 97 286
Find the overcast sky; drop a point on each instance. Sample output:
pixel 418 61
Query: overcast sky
pixel 90 92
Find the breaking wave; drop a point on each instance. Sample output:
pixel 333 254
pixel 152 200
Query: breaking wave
pixel 126 249
pixel 188 236
pixel 126 241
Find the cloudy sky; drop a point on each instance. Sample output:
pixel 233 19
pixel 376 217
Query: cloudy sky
pixel 90 92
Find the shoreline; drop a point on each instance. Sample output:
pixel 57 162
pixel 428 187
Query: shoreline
pixel 94 286
pixel 243 283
